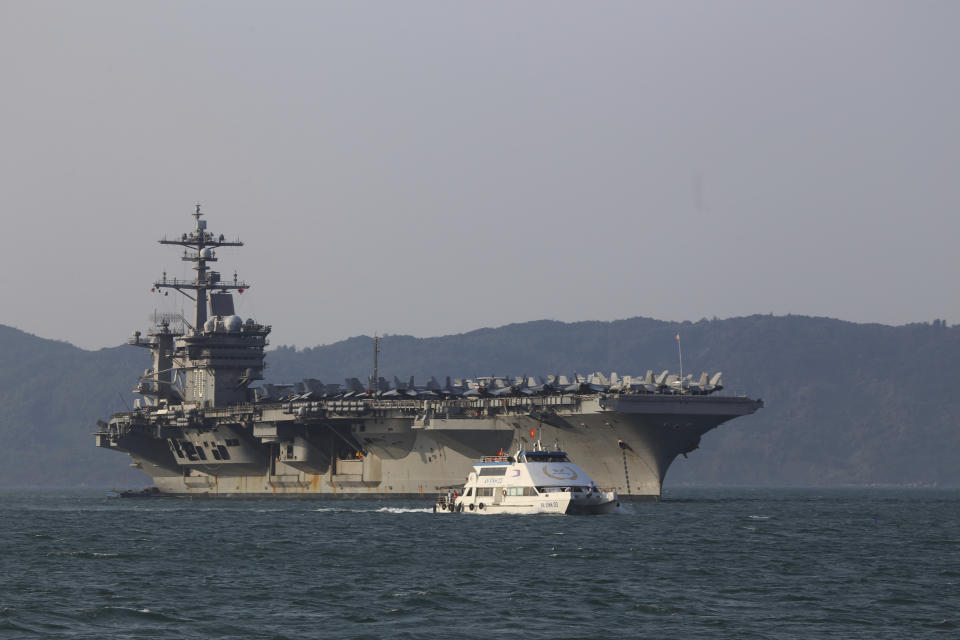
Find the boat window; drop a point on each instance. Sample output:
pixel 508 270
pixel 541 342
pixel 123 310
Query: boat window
pixel 469 492
pixel 484 491
pixel 546 456
pixel 493 471
pixel 521 491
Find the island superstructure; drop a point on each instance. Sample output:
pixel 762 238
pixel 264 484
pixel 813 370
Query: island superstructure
pixel 203 428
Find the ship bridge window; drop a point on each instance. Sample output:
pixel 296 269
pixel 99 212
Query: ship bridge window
pixel 233 442
pixel 223 452
pixel 493 471
pixel 216 454
pixel 202 455
pixel 469 492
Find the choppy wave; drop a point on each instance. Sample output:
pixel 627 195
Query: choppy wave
pixel 89 555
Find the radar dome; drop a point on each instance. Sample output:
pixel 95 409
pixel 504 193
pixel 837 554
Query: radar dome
pixel 207 253
pixel 234 323
pixel 209 324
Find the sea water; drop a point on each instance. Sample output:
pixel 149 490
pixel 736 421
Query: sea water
pixel 732 563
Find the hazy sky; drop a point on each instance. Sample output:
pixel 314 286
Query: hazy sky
pixel 432 168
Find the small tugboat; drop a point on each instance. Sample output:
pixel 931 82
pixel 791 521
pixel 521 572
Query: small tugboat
pixel 528 482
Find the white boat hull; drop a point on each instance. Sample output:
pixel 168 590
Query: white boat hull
pixel 552 503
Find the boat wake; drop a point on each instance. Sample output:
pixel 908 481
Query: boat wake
pixel 380 510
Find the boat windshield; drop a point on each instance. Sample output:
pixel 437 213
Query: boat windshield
pixel 544 456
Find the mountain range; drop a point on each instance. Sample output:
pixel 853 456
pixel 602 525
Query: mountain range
pixel 846 403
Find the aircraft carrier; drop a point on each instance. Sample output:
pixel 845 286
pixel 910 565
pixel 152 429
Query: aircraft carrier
pixel 205 426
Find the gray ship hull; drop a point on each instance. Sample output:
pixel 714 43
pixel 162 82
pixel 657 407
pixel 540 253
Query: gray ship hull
pixel 411 448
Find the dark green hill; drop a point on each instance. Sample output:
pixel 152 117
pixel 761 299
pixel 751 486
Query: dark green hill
pixel 846 403
pixel 51 395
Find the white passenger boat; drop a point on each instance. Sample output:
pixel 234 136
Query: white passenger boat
pixel 527 482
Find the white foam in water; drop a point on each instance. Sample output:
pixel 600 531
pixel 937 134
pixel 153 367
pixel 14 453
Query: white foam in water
pixel 380 510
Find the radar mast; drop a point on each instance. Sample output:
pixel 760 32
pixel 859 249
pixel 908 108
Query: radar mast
pixel 199 247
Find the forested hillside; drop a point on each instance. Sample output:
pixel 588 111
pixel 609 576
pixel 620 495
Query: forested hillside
pixel 845 403
pixel 51 395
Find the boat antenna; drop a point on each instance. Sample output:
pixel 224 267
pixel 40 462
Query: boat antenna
pixel 680 354
pixel 376 353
